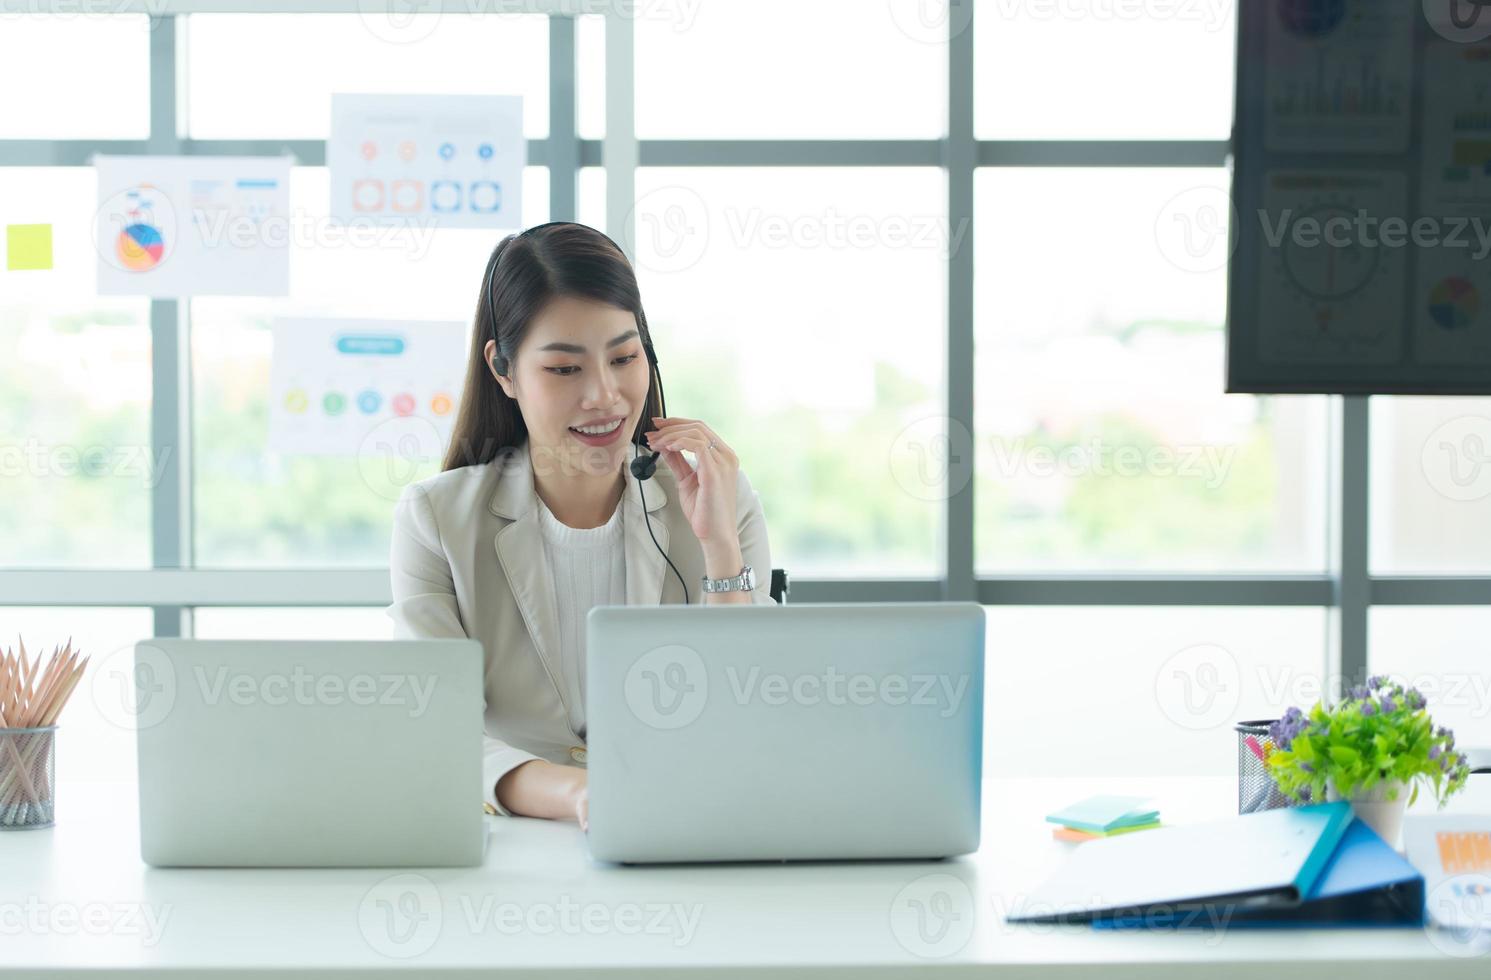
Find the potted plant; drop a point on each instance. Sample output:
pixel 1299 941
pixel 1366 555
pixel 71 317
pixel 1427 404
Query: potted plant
pixel 1375 748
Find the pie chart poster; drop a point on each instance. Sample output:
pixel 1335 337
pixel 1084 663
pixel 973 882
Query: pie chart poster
pixel 192 226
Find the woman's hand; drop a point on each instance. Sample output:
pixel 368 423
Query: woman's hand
pixel 706 490
pixel 539 788
pixel 581 801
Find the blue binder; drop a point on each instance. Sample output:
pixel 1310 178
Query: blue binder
pixel 1365 883
pixel 1262 861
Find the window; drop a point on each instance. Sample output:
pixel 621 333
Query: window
pixel 1438 650
pixel 782 69
pixel 255 507
pixel 373 51
pixel 291 623
pixel 1095 70
pixel 808 290
pixel 50 67
pixel 800 311
pixel 1092 691
pixel 76 463
pixel 1104 439
pixel 1431 487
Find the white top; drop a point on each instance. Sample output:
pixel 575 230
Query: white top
pixel 589 569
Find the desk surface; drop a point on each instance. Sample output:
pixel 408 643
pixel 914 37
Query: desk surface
pixel 76 899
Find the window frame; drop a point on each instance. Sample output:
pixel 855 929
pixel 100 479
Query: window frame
pixel 173 585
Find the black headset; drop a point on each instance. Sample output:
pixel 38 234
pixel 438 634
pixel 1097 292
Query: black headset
pixel 643 467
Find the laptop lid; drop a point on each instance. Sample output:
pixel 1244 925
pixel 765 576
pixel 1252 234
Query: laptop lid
pixel 813 731
pixel 309 753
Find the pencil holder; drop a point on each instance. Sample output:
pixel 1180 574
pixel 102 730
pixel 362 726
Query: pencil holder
pixel 1256 789
pixel 28 781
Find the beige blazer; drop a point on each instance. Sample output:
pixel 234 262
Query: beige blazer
pixel 467 560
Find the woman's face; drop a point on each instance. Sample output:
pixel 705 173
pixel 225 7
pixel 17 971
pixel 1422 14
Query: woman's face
pixel 580 364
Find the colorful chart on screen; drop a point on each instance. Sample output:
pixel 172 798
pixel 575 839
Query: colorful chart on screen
pixel 1339 75
pixel 1451 324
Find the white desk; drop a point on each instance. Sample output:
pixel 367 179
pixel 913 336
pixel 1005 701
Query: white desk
pixel 76 899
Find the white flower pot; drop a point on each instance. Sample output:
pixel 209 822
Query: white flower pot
pixel 1383 815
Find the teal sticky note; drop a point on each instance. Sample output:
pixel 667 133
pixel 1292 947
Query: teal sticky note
pixel 1104 813
pixel 28 247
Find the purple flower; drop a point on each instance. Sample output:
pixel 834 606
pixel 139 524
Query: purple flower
pixel 1435 751
pixel 1388 704
pixel 1376 681
pixel 1357 693
pixel 1284 731
pixel 1307 767
pixel 1368 709
pixel 1415 699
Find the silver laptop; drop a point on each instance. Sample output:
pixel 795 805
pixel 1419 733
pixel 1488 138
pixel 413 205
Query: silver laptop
pixel 304 753
pixel 809 731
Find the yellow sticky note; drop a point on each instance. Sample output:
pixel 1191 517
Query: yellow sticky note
pixel 28 247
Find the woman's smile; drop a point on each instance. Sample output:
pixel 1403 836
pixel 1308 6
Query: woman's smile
pixel 598 435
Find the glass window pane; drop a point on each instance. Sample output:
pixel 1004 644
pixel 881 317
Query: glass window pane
pixel 76 463
pixel 785 69
pixel 1431 485
pixel 1093 69
pixel 381 50
pixel 51 67
pixel 95 735
pixel 1437 650
pixel 255 507
pixel 1141 692
pixel 760 286
pixel 1104 439
pixel 590 76
pixel 592 198
pixel 291 623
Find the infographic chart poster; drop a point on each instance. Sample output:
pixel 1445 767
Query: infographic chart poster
pixel 1331 291
pixel 367 388
pixel 454 161
pixel 198 226
pixel 1456 164
pixel 1339 75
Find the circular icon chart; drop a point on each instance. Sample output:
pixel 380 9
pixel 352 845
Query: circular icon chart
pixel 333 403
pixel 140 246
pixel 135 228
pixel 1312 18
pixel 1454 303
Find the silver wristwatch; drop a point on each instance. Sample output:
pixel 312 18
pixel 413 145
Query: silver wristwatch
pixel 744 582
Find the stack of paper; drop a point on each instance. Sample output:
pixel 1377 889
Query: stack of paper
pixel 1103 816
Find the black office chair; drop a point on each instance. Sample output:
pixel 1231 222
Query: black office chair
pixel 779 586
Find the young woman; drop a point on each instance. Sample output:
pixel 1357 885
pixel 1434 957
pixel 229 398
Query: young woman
pixel 538 515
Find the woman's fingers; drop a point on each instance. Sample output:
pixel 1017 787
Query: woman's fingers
pixel 680 466
pixel 691 435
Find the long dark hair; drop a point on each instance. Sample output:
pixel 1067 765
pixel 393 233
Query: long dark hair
pixel 525 271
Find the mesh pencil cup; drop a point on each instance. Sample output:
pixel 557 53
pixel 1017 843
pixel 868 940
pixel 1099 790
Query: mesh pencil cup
pixel 1256 789
pixel 28 777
